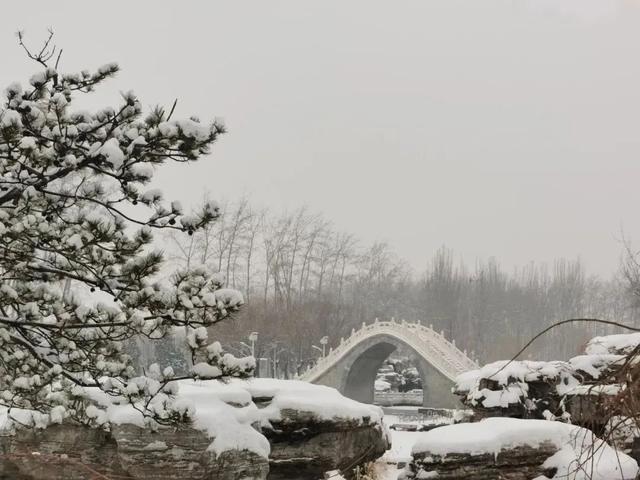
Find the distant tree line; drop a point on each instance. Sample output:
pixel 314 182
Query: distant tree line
pixel 303 279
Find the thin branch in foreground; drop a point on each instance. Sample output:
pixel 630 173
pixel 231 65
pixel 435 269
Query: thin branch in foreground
pixel 559 324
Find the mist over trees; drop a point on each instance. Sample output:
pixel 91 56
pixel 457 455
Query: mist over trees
pixel 304 280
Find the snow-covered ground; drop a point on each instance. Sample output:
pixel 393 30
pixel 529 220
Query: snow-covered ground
pixel 401 444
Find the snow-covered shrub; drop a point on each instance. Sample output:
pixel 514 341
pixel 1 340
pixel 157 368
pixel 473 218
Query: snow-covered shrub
pixel 76 207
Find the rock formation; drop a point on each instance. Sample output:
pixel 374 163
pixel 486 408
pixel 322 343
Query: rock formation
pixel 571 389
pixel 303 448
pixel 249 430
pixel 514 449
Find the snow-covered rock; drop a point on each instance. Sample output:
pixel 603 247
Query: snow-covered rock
pixel 535 389
pixel 74 452
pixel 237 430
pixel 507 448
pixel 183 453
pixel 313 429
pixel 522 389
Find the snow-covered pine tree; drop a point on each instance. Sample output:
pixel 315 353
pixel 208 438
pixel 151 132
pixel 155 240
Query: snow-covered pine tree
pixel 74 208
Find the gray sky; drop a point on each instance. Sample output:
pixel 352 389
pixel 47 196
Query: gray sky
pixel 505 128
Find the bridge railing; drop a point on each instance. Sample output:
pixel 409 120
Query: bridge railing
pixel 433 346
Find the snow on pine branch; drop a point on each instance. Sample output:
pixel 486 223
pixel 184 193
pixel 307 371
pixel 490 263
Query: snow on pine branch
pixel 76 205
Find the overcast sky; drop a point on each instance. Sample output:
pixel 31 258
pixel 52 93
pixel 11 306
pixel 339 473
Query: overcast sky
pixel 506 128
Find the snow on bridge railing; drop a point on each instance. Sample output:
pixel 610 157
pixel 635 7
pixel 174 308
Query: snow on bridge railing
pixel 429 344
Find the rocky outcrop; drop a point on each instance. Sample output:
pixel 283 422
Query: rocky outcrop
pixel 73 452
pixel 313 429
pixel 60 452
pixel 303 447
pixel 518 463
pixel 239 431
pixel 495 399
pixel 581 388
pixel 515 449
pixel 182 453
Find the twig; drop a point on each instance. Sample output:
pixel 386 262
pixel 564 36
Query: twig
pixel 559 324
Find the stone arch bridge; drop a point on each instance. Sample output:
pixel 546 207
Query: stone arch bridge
pixel 352 366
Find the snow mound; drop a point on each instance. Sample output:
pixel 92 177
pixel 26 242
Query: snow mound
pixel 226 414
pixel 580 454
pixel 324 403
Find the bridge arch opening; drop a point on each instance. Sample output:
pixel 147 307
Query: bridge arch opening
pixel 359 383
